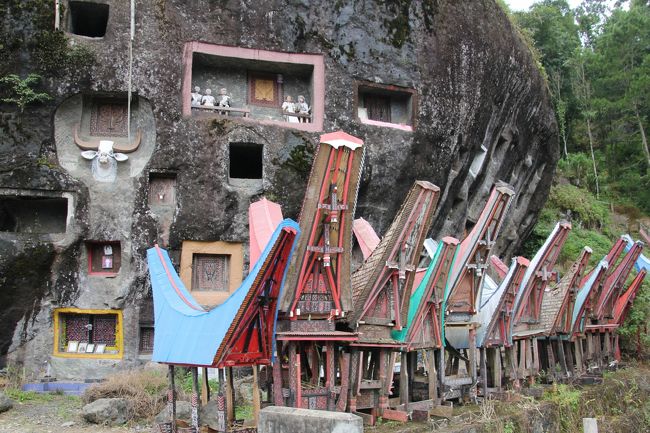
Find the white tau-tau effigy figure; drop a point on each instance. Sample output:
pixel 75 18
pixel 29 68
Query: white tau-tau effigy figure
pixel 208 100
pixel 196 97
pixel 288 106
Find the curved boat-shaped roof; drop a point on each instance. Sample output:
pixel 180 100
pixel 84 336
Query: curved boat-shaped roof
pixel 583 294
pixel 187 334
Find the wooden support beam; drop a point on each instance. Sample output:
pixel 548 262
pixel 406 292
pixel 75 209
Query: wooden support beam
pixel 257 398
pixel 278 398
pixel 383 379
pixel 578 351
pixel 562 356
pixel 330 375
pixel 608 347
pixel 521 344
pixel 529 359
pixel 433 374
pixel 535 346
pixel 355 378
pixel 496 367
pixel 551 358
pixel 404 380
pixel 484 374
pixel 171 398
pixel 205 387
pixel 195 398
pixel 568 350
pixel 230 397
pixel 295 374
pixel 345 382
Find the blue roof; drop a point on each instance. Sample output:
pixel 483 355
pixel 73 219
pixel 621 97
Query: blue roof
pixel 185 333
pixel 642 262
pixel 583 293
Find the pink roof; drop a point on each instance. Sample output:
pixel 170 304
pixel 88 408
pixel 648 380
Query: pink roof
pixel 366 236
pixel 263 218
pixel 340 138
pixel 498 266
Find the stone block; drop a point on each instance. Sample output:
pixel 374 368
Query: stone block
pixel 275 419
pixel 5 403
pixel 183 411
pixel 106 411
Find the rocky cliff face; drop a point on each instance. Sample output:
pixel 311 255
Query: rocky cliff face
pixel 481 113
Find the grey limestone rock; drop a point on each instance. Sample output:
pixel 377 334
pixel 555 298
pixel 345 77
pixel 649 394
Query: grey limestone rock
pixel 106 411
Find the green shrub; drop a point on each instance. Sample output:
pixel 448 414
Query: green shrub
pixel 579 206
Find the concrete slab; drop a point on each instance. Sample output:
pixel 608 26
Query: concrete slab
pixel 276 419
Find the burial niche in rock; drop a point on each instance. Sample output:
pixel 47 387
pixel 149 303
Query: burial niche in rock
pixel 253 85
pixel 386 105
pixel 88 19
pixel 104 258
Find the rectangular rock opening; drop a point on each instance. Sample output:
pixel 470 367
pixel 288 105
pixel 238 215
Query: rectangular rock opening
pixel 145 344
pixel 28 214
pixel 162 189
pixel 263 86
pixel 88 333
pixel 246 161
pixel 383 105
pixel 88 19
pixel 104 258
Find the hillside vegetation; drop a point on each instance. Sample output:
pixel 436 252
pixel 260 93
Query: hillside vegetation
pixel 596 58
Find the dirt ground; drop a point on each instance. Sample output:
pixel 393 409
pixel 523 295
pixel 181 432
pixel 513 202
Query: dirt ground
pixel 54 414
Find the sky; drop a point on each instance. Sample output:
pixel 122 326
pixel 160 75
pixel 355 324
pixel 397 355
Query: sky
pixel 522 5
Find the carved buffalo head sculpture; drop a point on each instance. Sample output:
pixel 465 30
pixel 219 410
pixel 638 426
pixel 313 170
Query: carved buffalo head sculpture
pixel 104 166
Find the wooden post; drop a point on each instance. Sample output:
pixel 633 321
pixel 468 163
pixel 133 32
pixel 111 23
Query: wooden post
pixel 383 380
pixel 484 381
pixel 578 351
pixel 195 399
pixel 431 362
pixel 472 355
pixel 330 375
pixel 590 425
pixel 494 359
pixel 608 347
pixel 298 372
pixel 205 387
pixel 278 399
pixel 355 375
pixel 528 370
pixel 257 403
pixel 404 380
pixel 563 365
pixel 230 397
pixel 171 399
pixel 551 358
pixel 569 357
pixel 535 346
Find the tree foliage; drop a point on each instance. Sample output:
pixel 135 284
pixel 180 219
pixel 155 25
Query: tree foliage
pixel 21 91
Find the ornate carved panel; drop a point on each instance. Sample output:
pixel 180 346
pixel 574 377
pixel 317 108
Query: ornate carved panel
pixel 108 118
pixel 210 272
